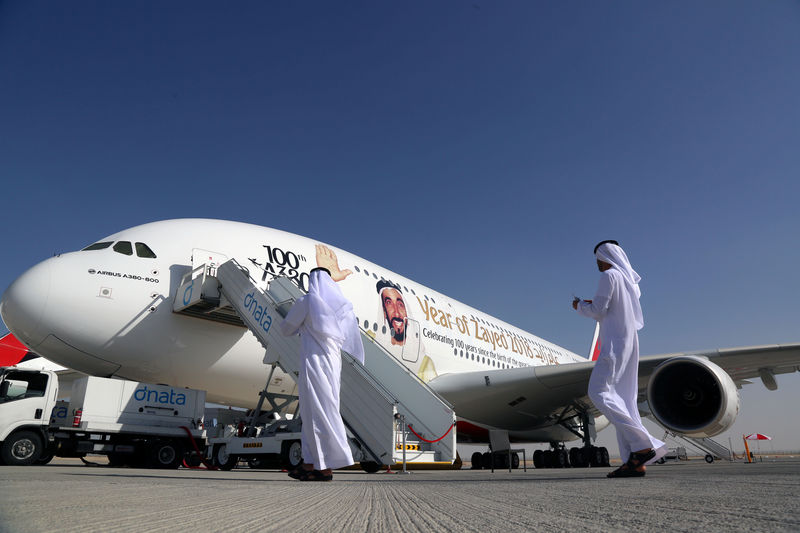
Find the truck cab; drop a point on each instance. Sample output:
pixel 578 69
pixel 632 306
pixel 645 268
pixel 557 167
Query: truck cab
pixel 27 399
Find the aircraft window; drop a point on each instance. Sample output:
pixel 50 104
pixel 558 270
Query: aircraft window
pixel 404 288
pixel 426 297
pixel 434 301
pixel 383 329
pixel 473 357
pixel 123 247
pixel 365 272
pixel 412 292
pixel 98 246
pixel 374 275
pixel 142 250
pixel 357 269
pixel 455 352
pixel 375 326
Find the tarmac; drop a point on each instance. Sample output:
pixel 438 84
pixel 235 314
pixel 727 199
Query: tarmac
pixel 67 495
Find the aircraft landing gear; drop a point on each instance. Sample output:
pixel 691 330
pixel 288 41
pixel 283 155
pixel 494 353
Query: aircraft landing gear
pixel 483 460
pixel 559 457
pixel 589 456
pixel 582 426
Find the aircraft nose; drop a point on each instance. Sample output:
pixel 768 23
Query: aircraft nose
pixel 24 302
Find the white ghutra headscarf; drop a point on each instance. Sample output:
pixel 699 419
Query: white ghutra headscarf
pixel 616 257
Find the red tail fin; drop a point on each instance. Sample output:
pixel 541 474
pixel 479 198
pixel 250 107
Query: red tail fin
pixel 11 350
pixel 594 351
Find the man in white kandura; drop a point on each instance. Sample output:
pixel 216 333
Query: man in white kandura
pixel 326 323
pixel 613 385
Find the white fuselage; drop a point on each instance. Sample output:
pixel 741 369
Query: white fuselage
pixel 105 312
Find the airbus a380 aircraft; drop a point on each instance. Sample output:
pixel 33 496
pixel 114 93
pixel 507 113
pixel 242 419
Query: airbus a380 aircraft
pixel 107 310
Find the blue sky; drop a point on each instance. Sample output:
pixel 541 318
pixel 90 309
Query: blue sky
pixel 479 148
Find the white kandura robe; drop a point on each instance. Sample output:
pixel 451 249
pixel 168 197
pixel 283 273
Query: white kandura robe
pixel 614 383
pixel 325 320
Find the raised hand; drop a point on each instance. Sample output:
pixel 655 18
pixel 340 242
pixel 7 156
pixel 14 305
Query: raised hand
pixel 326 258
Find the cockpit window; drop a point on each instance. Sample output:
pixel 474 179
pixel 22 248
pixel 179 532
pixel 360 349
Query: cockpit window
pixel 97 246
pixel 142 250
pixel 123 247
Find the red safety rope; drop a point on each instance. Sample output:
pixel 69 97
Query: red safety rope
pixel 202 457
pixel 420 437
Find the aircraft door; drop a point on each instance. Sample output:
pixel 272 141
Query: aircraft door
pixel 412 341
pixel 206 257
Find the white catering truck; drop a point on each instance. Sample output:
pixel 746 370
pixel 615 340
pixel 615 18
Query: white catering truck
pixel 133 423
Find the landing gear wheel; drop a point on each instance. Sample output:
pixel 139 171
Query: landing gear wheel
pixel 21 449
pixel 291 454
pixel 165 454
pixel 548 459
pixel 222 460
pixel 370 467
pixel 576 458
pixel 515 461
pixel 477 461
pixel 487 460
pixel 538 459
pixel 709 458
pixel 593 455
pixel 560 459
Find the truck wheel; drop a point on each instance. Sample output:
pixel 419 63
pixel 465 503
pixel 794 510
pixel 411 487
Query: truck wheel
pixel 165 454
pixel 291 454
pixel 709 458
pixel 222 460
pixel 21 449
pixel 45 458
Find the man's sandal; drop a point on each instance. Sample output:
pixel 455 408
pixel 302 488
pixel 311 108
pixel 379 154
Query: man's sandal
pixel 625 471
pixel 315 475
pixel 634 461
pixel 297 471
pixel 637 459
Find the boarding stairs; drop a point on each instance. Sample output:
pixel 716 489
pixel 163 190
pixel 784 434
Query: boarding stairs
pixel 710 447
pixel 383 405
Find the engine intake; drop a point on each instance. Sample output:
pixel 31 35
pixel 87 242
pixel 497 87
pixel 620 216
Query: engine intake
pixel 692 396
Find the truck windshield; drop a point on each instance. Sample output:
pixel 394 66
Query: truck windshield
pixel 19 385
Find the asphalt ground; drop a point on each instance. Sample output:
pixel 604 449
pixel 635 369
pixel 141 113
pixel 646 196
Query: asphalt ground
pixel 684 496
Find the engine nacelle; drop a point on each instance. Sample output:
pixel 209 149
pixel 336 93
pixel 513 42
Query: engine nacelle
pixel 692 396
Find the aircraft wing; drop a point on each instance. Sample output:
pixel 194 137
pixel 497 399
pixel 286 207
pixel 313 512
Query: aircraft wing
pixel 741 364
pixel 530 397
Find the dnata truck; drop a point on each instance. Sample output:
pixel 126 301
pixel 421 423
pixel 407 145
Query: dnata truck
pixel 139 424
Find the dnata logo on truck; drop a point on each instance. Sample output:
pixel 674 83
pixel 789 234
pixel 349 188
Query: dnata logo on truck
pixel 154 396
pixel 258 311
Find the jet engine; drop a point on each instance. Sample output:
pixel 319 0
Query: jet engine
pixel 692 396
